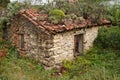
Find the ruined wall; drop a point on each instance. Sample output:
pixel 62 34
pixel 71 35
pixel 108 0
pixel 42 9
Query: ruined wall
pixel 64 43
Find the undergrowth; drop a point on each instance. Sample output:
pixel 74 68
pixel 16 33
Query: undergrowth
pixel 96 64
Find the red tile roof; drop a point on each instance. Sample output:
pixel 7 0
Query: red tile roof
pixel 33 16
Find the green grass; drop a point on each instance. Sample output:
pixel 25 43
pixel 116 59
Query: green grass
pixel 22 69
pixel 96 64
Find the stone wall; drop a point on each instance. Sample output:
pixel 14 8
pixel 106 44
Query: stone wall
pixel 89 37
pixel 64 43
pixel 36 42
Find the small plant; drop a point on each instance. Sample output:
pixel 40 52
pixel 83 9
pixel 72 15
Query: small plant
pixel 53 20
pixel 67 64
pixel 81 19
pixel 73 16
pixel 67 17
pixel 41 18
pixel 56 15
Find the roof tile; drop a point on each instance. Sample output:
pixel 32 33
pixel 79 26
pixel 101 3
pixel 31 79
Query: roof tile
pixel 33 16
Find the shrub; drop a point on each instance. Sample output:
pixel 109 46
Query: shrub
pixel 3 21
pixel 108 38
pixel 41 18
pixel 73 16
pixel 53 20
pixel 114 14
pixel 82 63
pixel 13 8
pixel 57 14
pixel 80 19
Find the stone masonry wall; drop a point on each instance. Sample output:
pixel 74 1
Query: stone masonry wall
pixel 36 42
pixel 89 37
pixel 64 43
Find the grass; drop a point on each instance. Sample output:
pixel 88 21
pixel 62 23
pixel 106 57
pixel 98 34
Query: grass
pixel 94 65
pixel 22 69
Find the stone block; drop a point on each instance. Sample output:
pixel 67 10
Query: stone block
pixel 49 54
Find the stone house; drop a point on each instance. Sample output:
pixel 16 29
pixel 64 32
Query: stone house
pixel 47 43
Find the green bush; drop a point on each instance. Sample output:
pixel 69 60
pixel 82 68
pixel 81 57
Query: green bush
pixel 57 14
pixel 53 20
pixel 82 63
pixel 114 14
pixel 108 38
pixel 4 21
pixel 14 8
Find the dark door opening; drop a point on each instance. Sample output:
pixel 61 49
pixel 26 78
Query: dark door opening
pixel 78 44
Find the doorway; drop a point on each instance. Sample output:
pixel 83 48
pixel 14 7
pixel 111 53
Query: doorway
pixel 78 45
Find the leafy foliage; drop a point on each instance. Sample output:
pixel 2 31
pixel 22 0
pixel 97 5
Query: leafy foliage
pixel 109 38
pixel 3 22
pixel 56 15
pixel 14 8
pixel 53 20
pixel 91 9
pixel 114 14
